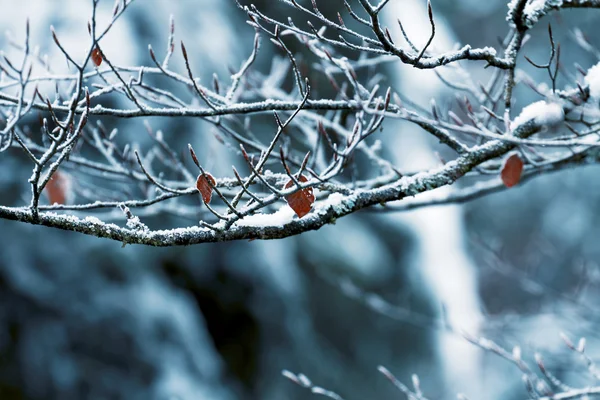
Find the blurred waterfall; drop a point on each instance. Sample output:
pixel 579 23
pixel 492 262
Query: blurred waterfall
pixel 441 258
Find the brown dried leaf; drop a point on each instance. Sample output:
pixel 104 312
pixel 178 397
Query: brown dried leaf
pixel 301 201
pixel 96 56
pixel 511 170
pixel 204 187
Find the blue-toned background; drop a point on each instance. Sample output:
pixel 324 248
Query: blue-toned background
pixel 85 318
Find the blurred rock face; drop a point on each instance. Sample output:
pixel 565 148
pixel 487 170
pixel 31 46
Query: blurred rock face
pixel 93 327
pixel 82 318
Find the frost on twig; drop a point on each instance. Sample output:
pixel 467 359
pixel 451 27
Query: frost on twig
pixel 318 157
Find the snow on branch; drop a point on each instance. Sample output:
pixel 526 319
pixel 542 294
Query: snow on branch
pixel 592 80
pixel 296 170
pixel 540 381
pixel 542 113
pixel 527 13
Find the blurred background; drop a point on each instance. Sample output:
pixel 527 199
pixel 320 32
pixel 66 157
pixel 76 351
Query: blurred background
pixel 86 318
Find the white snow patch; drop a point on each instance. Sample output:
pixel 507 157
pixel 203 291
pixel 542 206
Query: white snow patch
pixel 285 214
pixel 93 220
pixel 172 233
pixel 542 112
pixel 534 7
pixel 335 200
pixel 135 223
pixel 592 79
pixel 589 139
pixel 534 10
pixel 490 50
pixel 332 200
pixel 279 218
